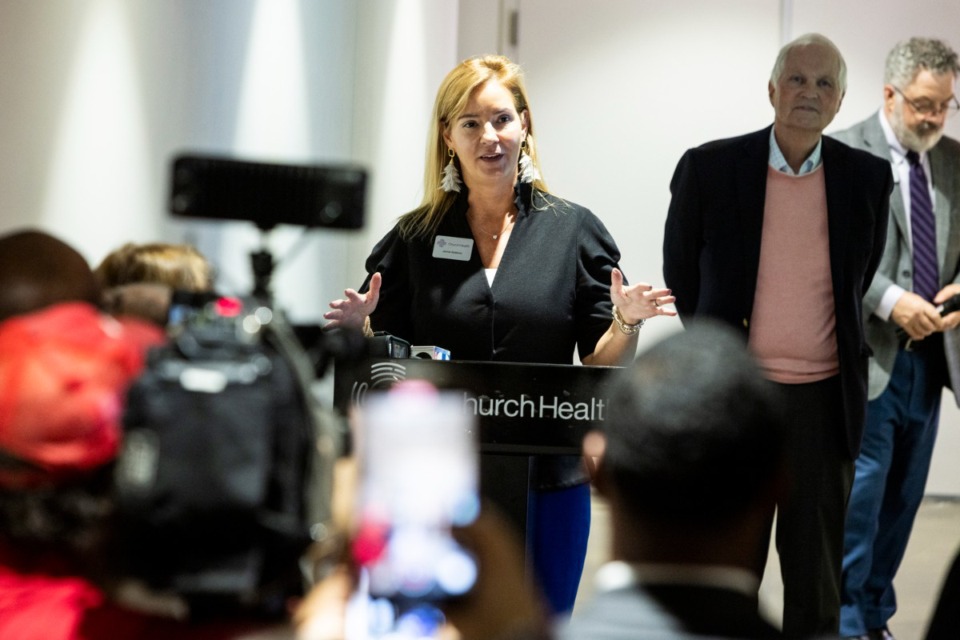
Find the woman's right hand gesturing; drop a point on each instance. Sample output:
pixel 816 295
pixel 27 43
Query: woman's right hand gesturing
pixel 352 312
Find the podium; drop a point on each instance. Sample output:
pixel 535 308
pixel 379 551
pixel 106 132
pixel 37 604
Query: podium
pixel 522 410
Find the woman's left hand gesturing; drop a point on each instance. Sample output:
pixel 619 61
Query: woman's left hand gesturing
pixel 639 301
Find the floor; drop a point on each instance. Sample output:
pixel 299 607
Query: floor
pixel 935 541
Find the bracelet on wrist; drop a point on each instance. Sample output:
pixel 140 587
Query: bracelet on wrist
pixel 629 329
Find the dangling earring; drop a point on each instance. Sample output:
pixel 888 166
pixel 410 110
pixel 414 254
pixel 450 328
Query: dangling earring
pixel 450 177
pixel 528 172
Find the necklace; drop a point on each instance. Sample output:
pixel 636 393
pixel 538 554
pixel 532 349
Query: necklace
pixel 506 227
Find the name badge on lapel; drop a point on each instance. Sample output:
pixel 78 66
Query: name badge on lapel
pixel 451 248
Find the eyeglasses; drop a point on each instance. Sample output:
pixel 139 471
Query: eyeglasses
pixel 927 108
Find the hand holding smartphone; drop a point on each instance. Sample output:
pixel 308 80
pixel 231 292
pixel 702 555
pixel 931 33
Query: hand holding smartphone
pixel 418 480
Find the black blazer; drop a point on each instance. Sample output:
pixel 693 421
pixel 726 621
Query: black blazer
pixel 711 249
pixel 551 293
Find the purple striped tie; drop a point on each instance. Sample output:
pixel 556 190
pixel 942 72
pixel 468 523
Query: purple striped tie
pixel 923 228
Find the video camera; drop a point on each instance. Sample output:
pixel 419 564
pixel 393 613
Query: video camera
pixel 269 194
pixel 226 471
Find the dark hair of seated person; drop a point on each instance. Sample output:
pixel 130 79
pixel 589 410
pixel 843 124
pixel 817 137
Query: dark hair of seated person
pixel 694 432
pixel 38 270
pixel 178 266
pixel 140 280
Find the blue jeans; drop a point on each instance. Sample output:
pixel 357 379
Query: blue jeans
pixel 888 486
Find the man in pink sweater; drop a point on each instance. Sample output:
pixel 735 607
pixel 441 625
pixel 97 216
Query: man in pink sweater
pixel 778 233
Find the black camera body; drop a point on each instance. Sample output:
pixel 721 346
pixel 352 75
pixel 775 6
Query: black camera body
pixel 214 492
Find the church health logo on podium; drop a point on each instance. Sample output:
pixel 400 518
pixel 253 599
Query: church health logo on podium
pixel 544 407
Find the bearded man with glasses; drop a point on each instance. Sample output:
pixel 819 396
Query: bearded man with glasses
pixel 906 326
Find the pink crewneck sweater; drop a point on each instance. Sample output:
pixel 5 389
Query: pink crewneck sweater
pixel 793 327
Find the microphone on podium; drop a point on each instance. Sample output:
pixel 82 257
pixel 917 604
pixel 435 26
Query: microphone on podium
pixel 429 352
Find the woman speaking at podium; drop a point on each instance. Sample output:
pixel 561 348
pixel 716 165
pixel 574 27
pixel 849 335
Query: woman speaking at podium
pixel 494 267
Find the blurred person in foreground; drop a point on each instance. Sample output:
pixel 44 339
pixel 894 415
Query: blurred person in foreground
pixel 494 267
pixel 690 460
pixel 63 374
pixel 64 370
pixel 778 233
pixel 904 327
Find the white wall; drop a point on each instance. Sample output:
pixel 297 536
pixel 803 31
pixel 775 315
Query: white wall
pixel 615 112
pixel 405 49
pixel 97 95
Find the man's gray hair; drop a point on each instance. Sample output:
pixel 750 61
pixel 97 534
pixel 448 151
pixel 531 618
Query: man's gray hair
pixel 910 57
pixel 803 41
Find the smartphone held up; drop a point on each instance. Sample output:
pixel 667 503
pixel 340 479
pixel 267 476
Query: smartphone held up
pixel 418 457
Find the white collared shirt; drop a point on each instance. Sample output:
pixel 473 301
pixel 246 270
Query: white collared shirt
pixel 779 162
pixel 620 575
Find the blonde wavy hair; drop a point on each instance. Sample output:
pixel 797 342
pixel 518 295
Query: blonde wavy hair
pixel 452 98
pixel 179 266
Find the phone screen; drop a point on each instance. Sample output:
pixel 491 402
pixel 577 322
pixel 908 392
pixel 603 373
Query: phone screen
pixel 419 479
